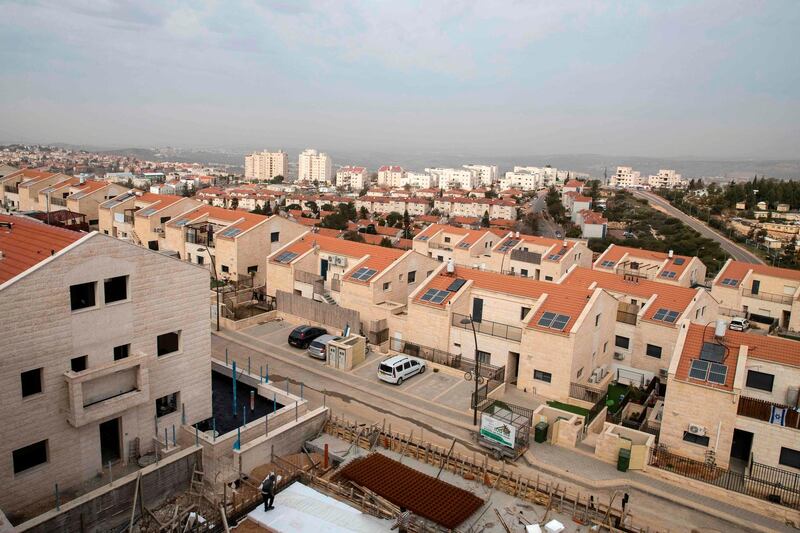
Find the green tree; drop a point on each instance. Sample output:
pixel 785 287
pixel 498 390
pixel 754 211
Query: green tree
pixel 267 209
pixel 351 235
pixel 406 225
pixel 386 243
pixel 277 179
pixel 335 220
pixel 257 210
pixel 234 203
pixel 393 219
pixel 293 207
pixel 485 220
pixel 363 213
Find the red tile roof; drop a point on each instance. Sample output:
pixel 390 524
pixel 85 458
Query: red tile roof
pixel 28 243
pixel 761 347
pixel 738 270
pixel 671 297
pixel 562 299
pixel 617 253
pixel 380 257
pixel 242 220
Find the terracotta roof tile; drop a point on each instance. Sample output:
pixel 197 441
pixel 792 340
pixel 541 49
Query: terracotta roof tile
pixel 738 270
pixel 761 347
pixel 27 243
pixel 671 297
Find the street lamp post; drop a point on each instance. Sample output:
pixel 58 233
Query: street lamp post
pixel 465 321
pixel 216 279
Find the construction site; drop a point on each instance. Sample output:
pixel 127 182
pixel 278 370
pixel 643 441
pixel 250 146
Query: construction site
pixel 340 473
pixel 334 475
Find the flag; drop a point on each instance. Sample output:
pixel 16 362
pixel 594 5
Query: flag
pixel 778 416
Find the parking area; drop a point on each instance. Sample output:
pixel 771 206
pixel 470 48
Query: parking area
pixel 445 389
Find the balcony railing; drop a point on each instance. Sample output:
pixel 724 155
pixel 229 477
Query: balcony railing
pixel 762 410
pixel 768 296
pixel 59 201
pixel 627 313
pixel 128 219
pixel 201 239
pixel 526 257
pixel 487 327
pixel 440 246
pixel 585 393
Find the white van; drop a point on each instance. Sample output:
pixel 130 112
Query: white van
pixel 400 367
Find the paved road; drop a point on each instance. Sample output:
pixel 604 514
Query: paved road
pixel 733 249
pixel 358 395
pixel 547 228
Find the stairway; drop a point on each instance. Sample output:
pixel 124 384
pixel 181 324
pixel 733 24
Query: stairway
pixel 328 299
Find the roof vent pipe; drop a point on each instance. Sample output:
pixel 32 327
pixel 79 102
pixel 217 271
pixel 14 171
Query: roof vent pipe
pixel 670 254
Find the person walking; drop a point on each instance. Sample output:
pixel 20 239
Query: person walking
pixel 402 521
pixel 268 491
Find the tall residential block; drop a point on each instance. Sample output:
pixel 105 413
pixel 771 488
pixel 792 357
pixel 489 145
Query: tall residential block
pixel 314 166
pixel 266 165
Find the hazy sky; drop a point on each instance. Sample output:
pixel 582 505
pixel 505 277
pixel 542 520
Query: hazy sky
pixel 661 78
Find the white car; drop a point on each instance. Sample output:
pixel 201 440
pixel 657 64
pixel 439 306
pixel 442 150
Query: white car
pixel 400 367
pixel 739 324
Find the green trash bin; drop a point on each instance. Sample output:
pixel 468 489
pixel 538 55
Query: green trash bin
pixel 540 432
pixel 623 460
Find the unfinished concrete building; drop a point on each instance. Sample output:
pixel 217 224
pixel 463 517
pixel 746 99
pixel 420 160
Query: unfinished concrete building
pixel 104 346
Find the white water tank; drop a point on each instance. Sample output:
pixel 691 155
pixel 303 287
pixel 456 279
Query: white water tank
pixel 719 329
pixel 450 266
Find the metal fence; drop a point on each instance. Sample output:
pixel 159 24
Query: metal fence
pixel 585 393
pixel 487 327
pixel 764 482
pixel 768 296
pixel 486 371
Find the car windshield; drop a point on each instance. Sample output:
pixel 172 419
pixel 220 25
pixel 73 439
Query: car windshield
pixel 386 369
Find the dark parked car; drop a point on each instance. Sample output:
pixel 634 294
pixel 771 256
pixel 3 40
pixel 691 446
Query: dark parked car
pixel 301 336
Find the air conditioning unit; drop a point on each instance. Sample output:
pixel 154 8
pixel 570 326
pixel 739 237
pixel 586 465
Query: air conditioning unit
pixel 619 356
pixel 592 379
pixel 697 429
pixel 663 372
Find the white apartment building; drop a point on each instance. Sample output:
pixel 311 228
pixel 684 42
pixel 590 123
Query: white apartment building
pixel 314 166
pixel 353 177
pixel 420 180
pixel 487 174
pixel 266 165
pixel 455 178
pixel 666 179
pixel 106 347
pixel 627 177
pixel 391 176
pixel 522 179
